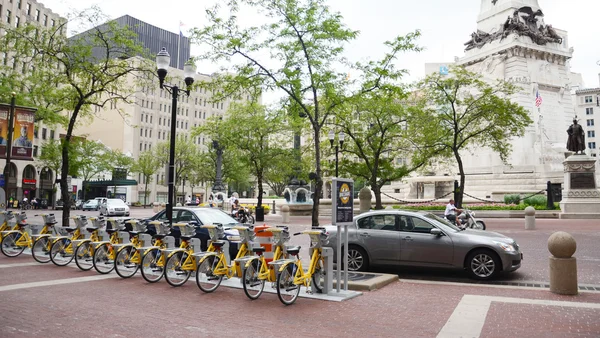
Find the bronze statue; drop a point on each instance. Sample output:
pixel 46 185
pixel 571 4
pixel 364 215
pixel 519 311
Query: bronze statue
pixel 576 140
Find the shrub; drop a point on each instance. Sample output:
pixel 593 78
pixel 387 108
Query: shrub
pixel 536 201
pixel 512 199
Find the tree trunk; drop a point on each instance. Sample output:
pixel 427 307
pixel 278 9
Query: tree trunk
pixel 377 191
pixel 64 171
pixel 146 192
pixel 461 187
pixel 319 179
pixel 260 190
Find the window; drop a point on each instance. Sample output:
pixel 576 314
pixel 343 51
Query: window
pixel 145 146
pixel 45 20
pixel 17 20
pixel 140 146
pixel 142 103
pixel 414 224
pixel 592 145
pixel 150 133
pixel 590 123
pixel 37 15
pixel 378 222
pixel 52 134
pixel 204 115
pixel 141 131
pixel 146 133
pixel 35 132
pixel 186 126
pixel 160 107
pixel 19 4
pixel 588 99
pixel 35 151
pixel 589 111
pixel 150 118
pixel 52 23
pixel 146 118
pixel 177 124
pixel 28 8
pixel 43 133
pixel 591 133
pixel 8 16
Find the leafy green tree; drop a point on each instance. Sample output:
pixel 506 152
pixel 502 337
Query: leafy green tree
pixel 254 132
pixel 465 112
pixel 297 52
pixel 146 165
pixel 375 129
pixel 92 158
pixel 64 75
pixel 51 158
pixel 186 154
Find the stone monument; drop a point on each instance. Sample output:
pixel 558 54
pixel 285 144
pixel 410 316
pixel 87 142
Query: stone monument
pixel 514 42
pixel 581 198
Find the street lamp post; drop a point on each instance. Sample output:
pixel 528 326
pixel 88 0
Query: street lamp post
pixel 218 186
pixel 9 136
pixel 338 146
pixel 163 60
pixel 183 189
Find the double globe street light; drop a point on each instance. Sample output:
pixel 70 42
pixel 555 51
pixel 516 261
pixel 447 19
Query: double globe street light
pixel 338 146
pixel 163 59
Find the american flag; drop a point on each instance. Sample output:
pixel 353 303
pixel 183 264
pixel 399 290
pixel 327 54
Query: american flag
pixel 538 99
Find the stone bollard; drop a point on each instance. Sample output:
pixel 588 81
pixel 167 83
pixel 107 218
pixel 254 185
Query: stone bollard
pixel 563 267
pixel 530 218
pixel 285 214
pixel 364 197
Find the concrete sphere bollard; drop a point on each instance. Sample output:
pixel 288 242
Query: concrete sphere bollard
pixel 364 196
pixel 563 267
pixel 530 218
pixel 285 214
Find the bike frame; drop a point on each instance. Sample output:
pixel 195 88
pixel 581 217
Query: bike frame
pixel 25 240
pixel 222 269
pixel 114 239
pixel 136 243
pixel 267 272
pixel 158 245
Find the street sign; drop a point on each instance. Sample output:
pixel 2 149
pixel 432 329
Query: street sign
pixel 69 181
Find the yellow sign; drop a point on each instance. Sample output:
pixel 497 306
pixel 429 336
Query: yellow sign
pixel 344 193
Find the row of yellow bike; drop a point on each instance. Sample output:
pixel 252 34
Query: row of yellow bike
pixel 130 248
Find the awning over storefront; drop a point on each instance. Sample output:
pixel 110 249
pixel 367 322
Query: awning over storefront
pixel 109 183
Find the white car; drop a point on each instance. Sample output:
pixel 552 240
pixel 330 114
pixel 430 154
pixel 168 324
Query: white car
pixel 114 207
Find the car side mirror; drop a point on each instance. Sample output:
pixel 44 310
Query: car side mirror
pixel 436 232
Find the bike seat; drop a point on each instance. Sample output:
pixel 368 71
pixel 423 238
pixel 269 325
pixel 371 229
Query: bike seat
pixel 218 244
pixel 70 229
pixel 91 229
pixel 134 233
pixel 259 250
pixel 159 236
pixel 293 251
pixel 186 238
pixel 111 231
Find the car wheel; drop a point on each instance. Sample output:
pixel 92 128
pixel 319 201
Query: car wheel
pixel 483 264
pixel 357 259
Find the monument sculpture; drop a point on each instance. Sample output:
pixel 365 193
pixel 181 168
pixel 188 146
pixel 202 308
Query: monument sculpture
pixel 576 140
pixel 523 22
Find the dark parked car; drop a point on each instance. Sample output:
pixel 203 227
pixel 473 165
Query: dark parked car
pixel 201 215
pixel 397 237
pixel 91 205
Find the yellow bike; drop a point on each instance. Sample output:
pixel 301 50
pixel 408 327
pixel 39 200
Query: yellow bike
pixel 15 241
pixel 105 252
pixel 7 216
pixel 181 262
pixel 291 276
pixel 62 249
pixel 213 266
pixel 128 258
pixel 154 258
pixel 257 271
pixel 84 254
pixel 42 242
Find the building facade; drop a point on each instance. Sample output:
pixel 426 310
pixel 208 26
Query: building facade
pixel 587 107
pixel 28 178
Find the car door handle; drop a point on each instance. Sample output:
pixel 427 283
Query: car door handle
pixel 365 234
pixel 407 238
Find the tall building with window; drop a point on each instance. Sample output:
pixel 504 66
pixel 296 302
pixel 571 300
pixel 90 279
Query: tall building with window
pixel 587 108
pixel 27 178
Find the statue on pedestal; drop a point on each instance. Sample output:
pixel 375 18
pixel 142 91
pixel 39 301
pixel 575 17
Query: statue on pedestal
pixel 576 140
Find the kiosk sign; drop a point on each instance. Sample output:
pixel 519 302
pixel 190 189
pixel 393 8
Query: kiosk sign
pixel 343 201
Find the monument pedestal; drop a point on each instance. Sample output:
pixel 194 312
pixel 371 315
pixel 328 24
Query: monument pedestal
pixel 581 198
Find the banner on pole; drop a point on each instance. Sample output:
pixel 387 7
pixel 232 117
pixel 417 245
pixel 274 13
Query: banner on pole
pixel 22 138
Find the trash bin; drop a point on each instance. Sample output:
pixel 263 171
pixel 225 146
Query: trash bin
pixel 260 214
pixel 44 203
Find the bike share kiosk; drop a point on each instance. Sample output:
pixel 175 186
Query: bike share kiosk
pixel 342 204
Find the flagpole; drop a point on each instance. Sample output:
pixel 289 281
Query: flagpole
pixel 541 135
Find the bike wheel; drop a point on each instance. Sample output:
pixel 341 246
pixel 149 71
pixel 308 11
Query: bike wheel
pixel 84 256
pixel 287 291
pixel 151 271
pixel 58 252
pixel 253 286
pixel 206 279
pixel 318 277
pixel 174 275
pixel 41 249
pixel 9 247
pixel 103 262
pixel 124 267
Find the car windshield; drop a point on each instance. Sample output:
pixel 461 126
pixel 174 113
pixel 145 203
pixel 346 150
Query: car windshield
pixel 208 216
pixel 115 202
pixel 91 202
pixel 443 221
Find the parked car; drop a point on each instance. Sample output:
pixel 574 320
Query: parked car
pixel 60 203
pixel 91 205
pixel 397 237
pixel 114 207
pixel 202 215
pixel 78 205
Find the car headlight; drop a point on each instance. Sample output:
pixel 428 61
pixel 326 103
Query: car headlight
pixel 506 247
pixel 234 238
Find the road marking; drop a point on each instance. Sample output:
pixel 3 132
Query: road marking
pixel 16 265
pixel 55 282
pixel 468 318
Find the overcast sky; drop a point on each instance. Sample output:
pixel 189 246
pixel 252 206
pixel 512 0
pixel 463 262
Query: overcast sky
pixel 445 24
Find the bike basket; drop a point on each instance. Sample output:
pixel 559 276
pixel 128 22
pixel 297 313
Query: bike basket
pixel 80 221
pixel 48 218
pixel 98 222
pixel 279 263
pixel 186 229
pixel 116 224
pixel 317 238
pixel 246 232
pixel 21 217
pixel 161 227
pixel 280 235
pixel 215 231
pixel 140 226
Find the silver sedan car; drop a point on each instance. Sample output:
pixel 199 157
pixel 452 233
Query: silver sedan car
pixel 397 237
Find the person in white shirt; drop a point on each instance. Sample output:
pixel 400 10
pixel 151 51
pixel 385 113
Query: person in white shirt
pixel 451 212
